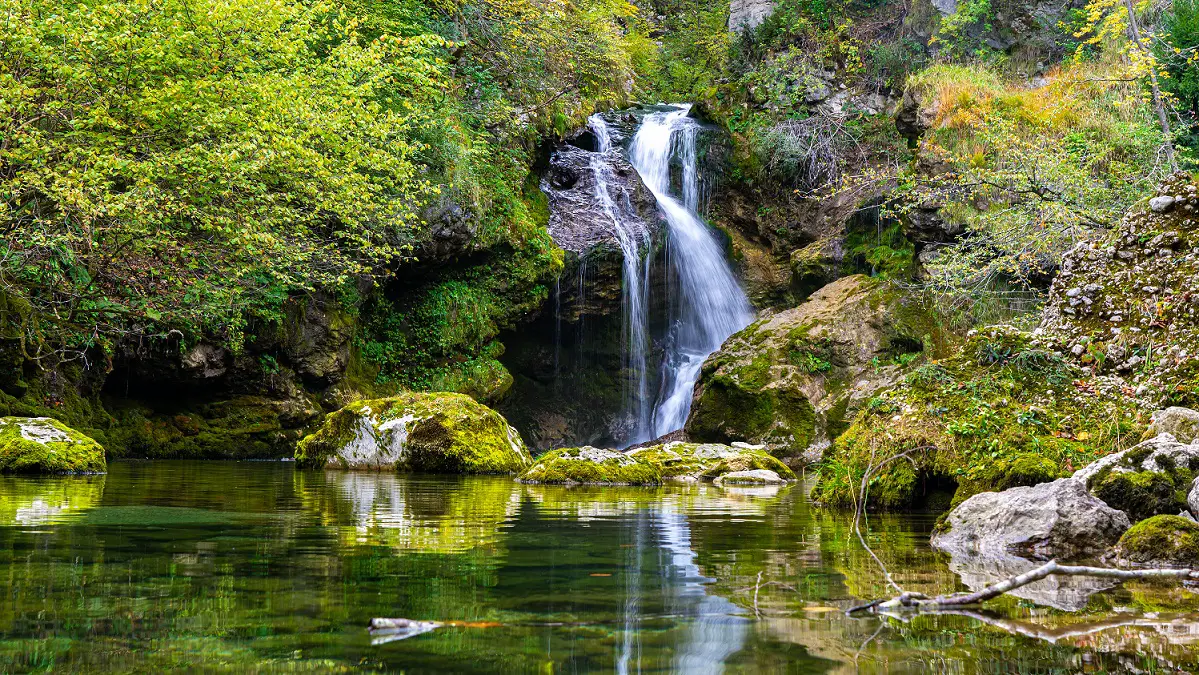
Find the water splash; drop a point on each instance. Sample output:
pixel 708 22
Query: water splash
pixel 707 303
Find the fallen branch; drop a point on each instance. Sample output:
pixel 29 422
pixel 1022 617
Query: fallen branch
pixel 912 600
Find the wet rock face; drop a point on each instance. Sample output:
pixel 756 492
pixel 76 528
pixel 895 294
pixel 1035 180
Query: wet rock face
pixel 578 221
pixel 1052 520
pixel 791 381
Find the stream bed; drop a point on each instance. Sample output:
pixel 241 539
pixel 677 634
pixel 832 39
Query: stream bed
pixel 259 567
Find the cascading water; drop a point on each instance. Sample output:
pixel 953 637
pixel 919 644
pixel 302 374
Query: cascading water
pixel 708 303
pixel 634 241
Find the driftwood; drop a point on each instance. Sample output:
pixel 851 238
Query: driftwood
pixel 919 601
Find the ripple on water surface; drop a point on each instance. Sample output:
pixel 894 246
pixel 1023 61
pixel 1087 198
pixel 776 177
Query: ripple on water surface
pixel 259 567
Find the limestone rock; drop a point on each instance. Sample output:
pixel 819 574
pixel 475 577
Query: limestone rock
pixel 792 380
pixel 1181 423
pixel 591 466
pixel 754 477
pixel 45 445
pixel 1158 454
pixel 1161 204
pixel 422 432
pixel 748 14
pixel 1193 498
pixel 1058 519
pixel 695 461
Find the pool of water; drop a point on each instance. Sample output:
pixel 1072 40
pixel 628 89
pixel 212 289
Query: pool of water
pixel 258 567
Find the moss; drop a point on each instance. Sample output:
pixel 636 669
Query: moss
pixel 423 432
pixel 1023 470
pixel 1140 494
pixel 1004 411
pixel 727 410
pixel 1164 538
pixel 591 466
pixel 45 445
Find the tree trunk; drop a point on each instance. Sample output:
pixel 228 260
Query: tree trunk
pixel 1157 93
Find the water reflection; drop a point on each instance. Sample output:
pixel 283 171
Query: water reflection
pixel 260 568
pixel 47 500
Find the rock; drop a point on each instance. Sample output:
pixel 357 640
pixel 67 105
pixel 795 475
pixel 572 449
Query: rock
pixel 45 445
pixel 1181 423
pixel 1193 498
pixel 1161 540
pixel 748 14
pixel 791 380
pixel 1058 519
pixel 695 461
pixel 424 432
pixel 1161 204
pixel 1069 594
pixel 1146 480
pixel 754 477
pixel 591 466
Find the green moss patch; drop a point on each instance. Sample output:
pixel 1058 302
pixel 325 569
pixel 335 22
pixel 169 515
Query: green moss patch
pixel 45 445
pixel 1168 539
pixel 1006 410
pixel 591 466
pixel 708 460
pixel 420 432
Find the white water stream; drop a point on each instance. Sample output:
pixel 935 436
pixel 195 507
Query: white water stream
pixel 708 304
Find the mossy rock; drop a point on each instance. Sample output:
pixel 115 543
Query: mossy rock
pixel 792 381
pixel 419 432
pixel 692 461
pixel 591 466
pixel 45 445
pixel 1161 539
pixel 1024 470
pixel 1140 494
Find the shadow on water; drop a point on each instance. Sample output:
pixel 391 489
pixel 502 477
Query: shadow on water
pixel 258 567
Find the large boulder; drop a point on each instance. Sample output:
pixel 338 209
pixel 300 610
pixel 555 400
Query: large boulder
pixel 1058 519
pixel 45 445
pixel 790 381
pixel 1149 479
pixel 423 432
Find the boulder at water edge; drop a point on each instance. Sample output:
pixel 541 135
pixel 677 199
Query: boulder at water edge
pixel 423 432
pixel 1148 479
pixel 792 380
pixel 591 466
pixel 45 445
pixel 654 464
pixel 1058 519
pixel 1161 540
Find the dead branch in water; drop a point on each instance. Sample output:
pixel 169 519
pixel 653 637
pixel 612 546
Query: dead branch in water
pixel 920 601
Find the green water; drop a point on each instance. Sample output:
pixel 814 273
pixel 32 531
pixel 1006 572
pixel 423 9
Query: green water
pixel 257 567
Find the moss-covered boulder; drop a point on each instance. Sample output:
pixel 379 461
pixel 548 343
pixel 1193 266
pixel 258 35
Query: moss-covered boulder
pixel 695 461
pixel 1149 479
pixel 45 445
pixel 1161 539
pixel 591 466
pixel 751 477
pixel 792 380
pixel 420 432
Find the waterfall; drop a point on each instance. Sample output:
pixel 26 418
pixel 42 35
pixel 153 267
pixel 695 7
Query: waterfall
pixel 634 242
pixel 708 304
